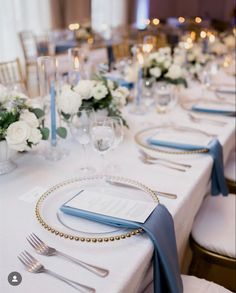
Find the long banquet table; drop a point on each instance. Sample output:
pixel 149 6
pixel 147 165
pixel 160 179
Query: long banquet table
pixel 128 260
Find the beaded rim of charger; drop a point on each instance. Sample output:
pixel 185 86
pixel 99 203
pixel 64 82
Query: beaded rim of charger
pixel 114 179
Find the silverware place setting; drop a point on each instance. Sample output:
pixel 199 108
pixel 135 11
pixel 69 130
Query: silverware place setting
pixel 151 160
pixel 32 265
pixel 159 193
pixel 196 119
pixel 42 248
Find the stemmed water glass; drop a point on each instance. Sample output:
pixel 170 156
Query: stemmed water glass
pixel 102 136
pixel 79 127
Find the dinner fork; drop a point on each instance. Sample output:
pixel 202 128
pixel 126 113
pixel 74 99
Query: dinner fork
pixel 212 121
pixel 146 155
pixel 44 249
pixel 152 162
pixel 32 265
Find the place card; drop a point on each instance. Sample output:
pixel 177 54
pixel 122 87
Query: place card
pixel 33 194
pixel 109 205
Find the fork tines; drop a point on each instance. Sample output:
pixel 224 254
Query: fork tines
pixel 26 258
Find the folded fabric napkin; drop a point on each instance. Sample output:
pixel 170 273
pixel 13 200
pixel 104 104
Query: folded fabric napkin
pixel 213 110
pixel 122 82
pixel 218 183
pixel 160 228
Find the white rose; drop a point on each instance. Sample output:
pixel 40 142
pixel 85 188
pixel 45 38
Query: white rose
pixel 35 136
pixel 179 59
pixel 84 88
pixel 167 63
pixel 155 71
pixel 68 101
pixel 17 135
pixel 99 91
pixel 190 57
pixel 29 118
pixel 165 50
pixel 174 72
pixel 119 96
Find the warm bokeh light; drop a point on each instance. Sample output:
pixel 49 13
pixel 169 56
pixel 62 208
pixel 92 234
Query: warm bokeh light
pixel 155 21
pixel 212 38
pixel 234 31
pixel 147 21
pixel 193 36
pixel 198 19
pixel 74 26
pixel 203 34
pixel 147 48
pixel 181 19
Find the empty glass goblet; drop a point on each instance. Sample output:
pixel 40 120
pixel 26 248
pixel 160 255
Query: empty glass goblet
pixel 79 128
pixel 165 97
pixel 102 136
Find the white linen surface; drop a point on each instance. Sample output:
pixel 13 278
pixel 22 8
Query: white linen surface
pixel 230 168
pixel 128 260
pixel 195 285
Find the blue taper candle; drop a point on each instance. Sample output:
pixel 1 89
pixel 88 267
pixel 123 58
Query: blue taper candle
pixel 53 114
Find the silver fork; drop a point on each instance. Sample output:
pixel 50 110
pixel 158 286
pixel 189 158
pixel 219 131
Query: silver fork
pixel 212 121
pixel 32 265
pixel 152 162
pixel 146 155
pixel 44 249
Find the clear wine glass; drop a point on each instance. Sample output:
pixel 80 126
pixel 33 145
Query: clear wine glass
pixel 118 128
pixel 165 96
pixel 79 127
pixel 102 136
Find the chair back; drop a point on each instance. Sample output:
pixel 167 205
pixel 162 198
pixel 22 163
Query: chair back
pixel 29 46
pixel 11 74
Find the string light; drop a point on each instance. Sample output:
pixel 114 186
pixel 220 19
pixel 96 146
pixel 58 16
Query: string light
pixel 156 21
pixel 74 26
pixel 181 19
pixel 203 34
pixel 198 19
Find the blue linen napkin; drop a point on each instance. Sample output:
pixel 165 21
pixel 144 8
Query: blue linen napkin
pixel 122 82
pixel 218 183
pixel 160 228
pixel 196 108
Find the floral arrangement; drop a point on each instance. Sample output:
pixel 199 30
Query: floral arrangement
pixel 83 33
pixel 164 66
pixel 229 41
pixel 20 124
pixel 196 59
pixel 99 94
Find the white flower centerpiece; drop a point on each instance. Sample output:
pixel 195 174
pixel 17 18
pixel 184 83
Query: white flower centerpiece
pixel 20 126
pixel 98 94
pixel 164 66
pixel 197 59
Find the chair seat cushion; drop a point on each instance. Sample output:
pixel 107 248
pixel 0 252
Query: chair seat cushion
pixel 230 168
pixel 214 225
pixel 192 284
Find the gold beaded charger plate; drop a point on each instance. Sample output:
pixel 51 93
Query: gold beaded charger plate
pixel 74 228
pixel 188 133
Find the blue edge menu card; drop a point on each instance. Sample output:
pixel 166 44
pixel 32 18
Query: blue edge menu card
pixel 159 227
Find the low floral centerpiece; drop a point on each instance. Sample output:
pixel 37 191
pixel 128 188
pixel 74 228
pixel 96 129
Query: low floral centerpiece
pixel 165 66
pixel 98 94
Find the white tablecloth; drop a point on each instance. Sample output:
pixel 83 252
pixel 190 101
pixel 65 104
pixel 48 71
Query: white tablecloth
pixel 128 260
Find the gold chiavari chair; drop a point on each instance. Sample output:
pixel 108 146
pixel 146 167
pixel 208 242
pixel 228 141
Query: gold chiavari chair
pixel 121 50
pixel 11 74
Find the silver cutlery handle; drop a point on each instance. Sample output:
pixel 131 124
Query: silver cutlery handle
pixel 78 286
pixel 166 194
pixel 171 162
pixel 93 269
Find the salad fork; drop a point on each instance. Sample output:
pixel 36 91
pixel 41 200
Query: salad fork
pixel 44 249
pixel 153 162
pixel 32 265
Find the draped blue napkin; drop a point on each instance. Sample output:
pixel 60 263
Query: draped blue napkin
pixel 160 228
pixel 218 183
pixel 196 108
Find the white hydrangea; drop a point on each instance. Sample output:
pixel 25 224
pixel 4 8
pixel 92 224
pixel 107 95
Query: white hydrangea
pixel 68 100
pixel 174 72
pixel 29 118
pixel 84 88
pixel 155 71
pixel 110 84
pixel 99 91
